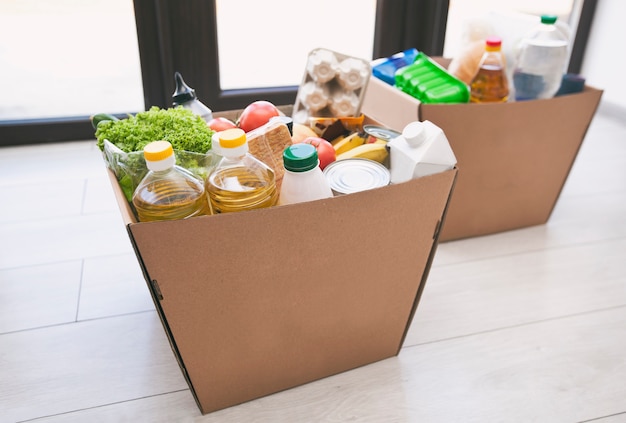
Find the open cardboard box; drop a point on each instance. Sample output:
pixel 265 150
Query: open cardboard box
pixel 260 301
pixel 513 158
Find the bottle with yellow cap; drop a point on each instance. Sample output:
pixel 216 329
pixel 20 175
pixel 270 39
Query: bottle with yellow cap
pixel 240 181
pixel 168 191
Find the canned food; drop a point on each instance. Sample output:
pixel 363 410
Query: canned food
pixel 354 175
pixel 380 132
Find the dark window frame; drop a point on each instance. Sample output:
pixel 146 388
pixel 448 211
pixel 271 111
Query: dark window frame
pixel 162 24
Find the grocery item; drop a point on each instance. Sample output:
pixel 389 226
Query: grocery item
pixel 303 180
pixel 464 64
pixel 372 151
pixel 240 181
pixel 333 85
pixel 429 82
pixel 179 126
pixel 348 143
pixel 421 150
pixel 355 175
pixel 325 150
pixel 490 83
pixel 257 114
pixel 186 96
pixel 385 68
pixel 267 144
pixel 168 191
pixel 541 61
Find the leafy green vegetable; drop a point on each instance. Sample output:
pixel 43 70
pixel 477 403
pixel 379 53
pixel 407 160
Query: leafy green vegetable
pixel 181 127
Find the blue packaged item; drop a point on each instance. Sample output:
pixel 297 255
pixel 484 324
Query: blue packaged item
pixel 385 68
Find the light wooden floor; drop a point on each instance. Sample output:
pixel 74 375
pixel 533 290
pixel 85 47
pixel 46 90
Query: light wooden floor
pixel 524 326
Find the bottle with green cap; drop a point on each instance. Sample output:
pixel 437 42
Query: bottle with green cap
pixel 240 181
pixel 168 191
pixel 541 60
pixel 303 179
pixel 186 96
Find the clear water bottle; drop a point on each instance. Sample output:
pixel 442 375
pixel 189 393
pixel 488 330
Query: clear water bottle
pixel 303 180
pixel 541 61
pixel 186 96
pixel 168 191
pixel 240 181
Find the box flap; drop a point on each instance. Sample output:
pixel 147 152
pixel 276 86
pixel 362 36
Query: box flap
pixel 260 301
pixel 389 105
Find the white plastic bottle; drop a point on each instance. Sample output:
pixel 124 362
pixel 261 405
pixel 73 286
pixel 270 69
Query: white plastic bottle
pixel 186 96
pixel 541 61
pixel 303 179
pixel 421 150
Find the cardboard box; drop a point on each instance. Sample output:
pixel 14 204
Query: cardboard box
pixel 513 158
pixel 260 301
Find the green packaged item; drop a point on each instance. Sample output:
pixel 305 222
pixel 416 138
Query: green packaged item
pixel 429 82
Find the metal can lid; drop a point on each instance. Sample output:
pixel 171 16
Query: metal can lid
pixel 354 175
pixel 380 132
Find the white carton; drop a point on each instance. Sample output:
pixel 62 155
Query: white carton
pixel 421 150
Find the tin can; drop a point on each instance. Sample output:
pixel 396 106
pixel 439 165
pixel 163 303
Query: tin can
pixel 354 175
pixel 380 132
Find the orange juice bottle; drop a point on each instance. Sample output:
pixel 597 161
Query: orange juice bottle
pixel 490 84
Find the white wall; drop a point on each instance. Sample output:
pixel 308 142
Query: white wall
pixel 605 63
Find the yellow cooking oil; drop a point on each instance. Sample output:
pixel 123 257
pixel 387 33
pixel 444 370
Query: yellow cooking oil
pixel 168 191
pixel 240 181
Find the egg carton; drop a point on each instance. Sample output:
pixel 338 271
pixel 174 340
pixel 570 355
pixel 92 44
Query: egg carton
pixel 333 85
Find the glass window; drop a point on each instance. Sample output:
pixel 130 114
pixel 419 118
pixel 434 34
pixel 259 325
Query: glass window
pixel 267 46
pixel 61 58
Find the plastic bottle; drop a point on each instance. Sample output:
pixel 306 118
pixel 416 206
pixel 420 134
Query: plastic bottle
pixel 168 191
pixel 304 179
pixel 421 150
pixel 490 84
pixel 240 181
pixel 541 61
pixel 186 96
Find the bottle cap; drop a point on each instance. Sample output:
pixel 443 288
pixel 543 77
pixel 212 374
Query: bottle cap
pixel 300 157
pixel 159 155
pixel 232 138
pixel 493 43
pixel 414 133
pixel 184 92
pixel 548 19
pixel 158 150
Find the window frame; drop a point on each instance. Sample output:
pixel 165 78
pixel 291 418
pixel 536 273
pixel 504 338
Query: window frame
pixel 162 24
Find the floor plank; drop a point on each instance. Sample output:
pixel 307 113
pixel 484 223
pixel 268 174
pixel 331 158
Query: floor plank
pixel 564 370
pixel 483 295
pixel 83 365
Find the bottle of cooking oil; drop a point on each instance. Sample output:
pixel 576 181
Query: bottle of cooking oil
pixel 168 191
pixel 240 181
pixel 490 84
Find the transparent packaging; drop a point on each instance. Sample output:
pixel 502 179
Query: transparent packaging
pixel 167 191
pixel 333 85
pixel 240 181
pixel 490 84
pixel 541 61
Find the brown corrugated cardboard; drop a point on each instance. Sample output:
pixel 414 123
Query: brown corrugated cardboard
pixel 260 301
pixel 513 158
